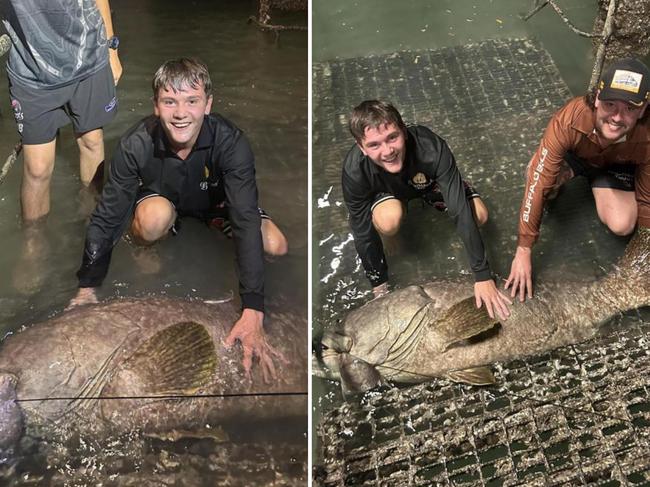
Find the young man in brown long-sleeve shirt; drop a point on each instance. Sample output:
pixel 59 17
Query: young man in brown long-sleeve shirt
pixel 604 136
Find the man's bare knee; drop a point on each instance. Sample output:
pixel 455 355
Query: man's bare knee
pixel 275 243
pixel 91 154
pixel 621 226
pixel 152 220
pixel 92 141
pixel 387 217
pixel 480 211
pixel 39 162
pixel 616 209
pixel 148 230
pixel 38 171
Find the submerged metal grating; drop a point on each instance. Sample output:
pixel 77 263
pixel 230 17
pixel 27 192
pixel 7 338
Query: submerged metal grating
pixel 579 415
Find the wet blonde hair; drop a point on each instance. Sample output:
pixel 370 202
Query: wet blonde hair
pixel 176 73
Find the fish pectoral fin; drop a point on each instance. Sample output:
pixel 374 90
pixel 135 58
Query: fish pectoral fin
pixel 180 359
pixel 464 320
pixel 357 375
pixel 477 376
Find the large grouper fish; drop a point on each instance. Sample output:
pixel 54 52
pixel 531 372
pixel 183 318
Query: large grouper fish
pixel 155 364
pixel 418 333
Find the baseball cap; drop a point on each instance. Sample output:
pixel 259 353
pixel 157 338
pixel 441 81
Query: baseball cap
pixel 626 80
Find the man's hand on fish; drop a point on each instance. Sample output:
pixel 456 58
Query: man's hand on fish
pixel 486 293
pixel 86 295
pixel 521 274
pixel 249 330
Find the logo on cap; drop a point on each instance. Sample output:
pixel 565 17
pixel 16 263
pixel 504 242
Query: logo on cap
pixel 626 81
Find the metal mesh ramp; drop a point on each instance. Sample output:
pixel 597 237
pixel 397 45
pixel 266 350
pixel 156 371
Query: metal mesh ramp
pixel 577 416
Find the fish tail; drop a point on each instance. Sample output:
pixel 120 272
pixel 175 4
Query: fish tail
pixel 630 282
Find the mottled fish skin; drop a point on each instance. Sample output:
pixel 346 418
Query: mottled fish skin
pixel 390 334
pixel 130 348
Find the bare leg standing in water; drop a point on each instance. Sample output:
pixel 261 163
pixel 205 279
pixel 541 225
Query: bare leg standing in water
pixel 75 83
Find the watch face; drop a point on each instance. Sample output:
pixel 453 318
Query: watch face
pixel 113 42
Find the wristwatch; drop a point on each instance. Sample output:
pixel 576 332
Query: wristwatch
pixel 113 42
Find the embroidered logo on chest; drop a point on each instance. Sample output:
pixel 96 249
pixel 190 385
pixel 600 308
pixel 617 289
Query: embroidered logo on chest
pixel 206 181
pixel 420 181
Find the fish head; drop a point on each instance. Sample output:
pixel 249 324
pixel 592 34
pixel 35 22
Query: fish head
pixel 365 340
pixel 355 375
pixel 375 328
pixel 328 364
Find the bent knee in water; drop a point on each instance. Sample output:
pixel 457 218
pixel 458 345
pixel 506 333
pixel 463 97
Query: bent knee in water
pixel 275 243
pixel 480 211
pixel 387 217
pixel 153 219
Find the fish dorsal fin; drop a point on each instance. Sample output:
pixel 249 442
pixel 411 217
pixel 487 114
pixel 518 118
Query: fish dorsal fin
pixel 179 359
pixel 462 321
pixel 477 376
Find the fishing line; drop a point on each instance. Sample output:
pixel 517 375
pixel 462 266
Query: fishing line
pixel 167 396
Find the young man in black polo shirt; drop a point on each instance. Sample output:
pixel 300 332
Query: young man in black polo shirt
pixel 184 161
pixel 391 164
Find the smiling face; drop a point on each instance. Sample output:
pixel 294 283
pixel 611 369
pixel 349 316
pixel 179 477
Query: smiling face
pixel 385 145
pixel 615 118
pixel 181 114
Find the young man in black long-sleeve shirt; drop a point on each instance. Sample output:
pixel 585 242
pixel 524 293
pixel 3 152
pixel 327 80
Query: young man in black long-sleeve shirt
pixel 184 161
pixel 391 164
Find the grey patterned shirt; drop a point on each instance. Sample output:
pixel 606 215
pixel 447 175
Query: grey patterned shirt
pixel 55 42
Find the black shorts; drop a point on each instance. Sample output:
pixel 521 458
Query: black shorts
pixel 614 176
pixel 216 217
pixel 89 104
pixel 433 196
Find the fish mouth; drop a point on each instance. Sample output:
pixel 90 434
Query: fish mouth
pixel 336 342
pixel 325 364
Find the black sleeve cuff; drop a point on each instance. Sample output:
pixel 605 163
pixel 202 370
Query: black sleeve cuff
pixel 94 267
pixel 253 301
pixel 377 278
pixel 485 275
